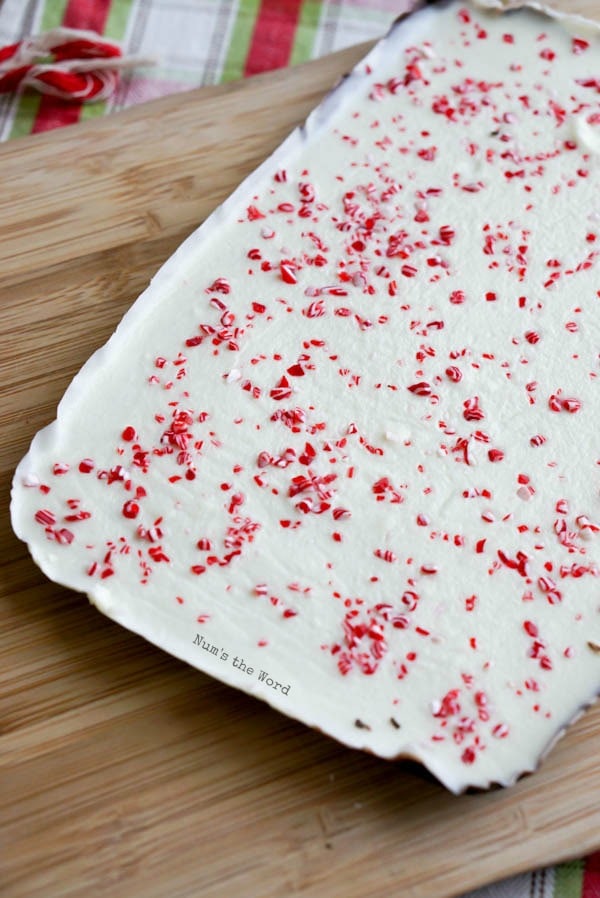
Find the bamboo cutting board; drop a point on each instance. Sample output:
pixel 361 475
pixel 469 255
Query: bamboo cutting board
pixel 124 772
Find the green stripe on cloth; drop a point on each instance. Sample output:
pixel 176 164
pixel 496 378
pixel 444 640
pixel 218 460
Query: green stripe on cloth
pixel 25 115
pixel 241 37
pixel 568 880
pixel 92 110
pixel 118 18
pixel 28 104
pixel 304 41
pixel 116 25
pixel 52 15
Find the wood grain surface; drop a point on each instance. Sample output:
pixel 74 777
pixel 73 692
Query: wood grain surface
pixel 124 773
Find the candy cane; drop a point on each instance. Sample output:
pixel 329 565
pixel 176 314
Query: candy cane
pixel 84 66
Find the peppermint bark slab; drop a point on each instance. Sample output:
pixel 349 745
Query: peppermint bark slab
pixel 340 453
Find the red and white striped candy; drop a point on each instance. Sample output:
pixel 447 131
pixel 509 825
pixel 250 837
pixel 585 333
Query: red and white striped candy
pixel 84 65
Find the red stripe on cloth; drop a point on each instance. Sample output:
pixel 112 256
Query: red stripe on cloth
pixel 53 112
pixel 91 14
pixel 591 877
pixel 273 35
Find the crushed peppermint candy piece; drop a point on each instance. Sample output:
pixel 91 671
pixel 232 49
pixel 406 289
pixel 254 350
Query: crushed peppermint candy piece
pixel 355 474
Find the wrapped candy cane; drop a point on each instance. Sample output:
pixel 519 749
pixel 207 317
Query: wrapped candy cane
pixel 83 66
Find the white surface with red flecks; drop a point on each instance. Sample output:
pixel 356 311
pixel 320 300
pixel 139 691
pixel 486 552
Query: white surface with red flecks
pixel 343 441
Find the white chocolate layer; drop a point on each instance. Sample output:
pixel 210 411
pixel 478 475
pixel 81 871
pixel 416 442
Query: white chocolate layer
pixel 345 439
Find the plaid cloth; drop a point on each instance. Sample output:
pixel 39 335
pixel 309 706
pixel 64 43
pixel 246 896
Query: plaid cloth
pixel 200 42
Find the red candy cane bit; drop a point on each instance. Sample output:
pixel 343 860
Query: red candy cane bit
pixel 152 534
pixel 385 555
pixel 525 492
pixel 448 706
pixel 400 622
pixel 64 537
pixel 236 500
pixel 341 513
pixel 287 271
pixel 557 403
pixel 281 390
pixel 317 309
pixel 410 599
pixel 429 569
pixel 157 554
pixel 422 388
pixel 495 455
pixel 77 516
pixel 446 234
pixel 220 285
pixel 500 731
pixel 481 699
pixel 453 373
pixel 45 517
pixel 537 440
pixel 548 586
pixel 333 291
pixel 131 509
pixel 519 563
pixel 306 191
pixel 470 602
pixel 253 213
pixel 579 45
pixel 472 410
pixel 584 523
pixel 86 465
pixel 475 492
